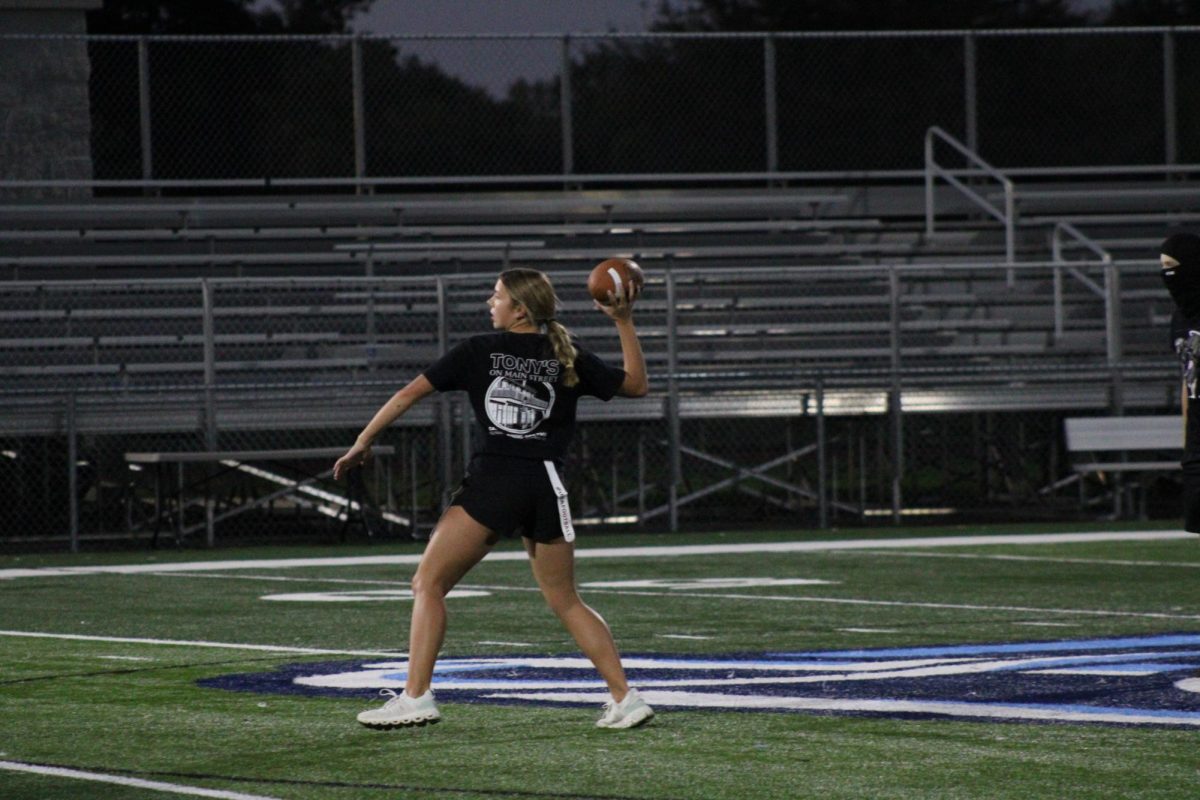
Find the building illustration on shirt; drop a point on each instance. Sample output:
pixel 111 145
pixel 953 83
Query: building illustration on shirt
pixel 518 407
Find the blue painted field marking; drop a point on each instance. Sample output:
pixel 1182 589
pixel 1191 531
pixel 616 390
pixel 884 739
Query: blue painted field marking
pixel 1131 680
pixel 1172 640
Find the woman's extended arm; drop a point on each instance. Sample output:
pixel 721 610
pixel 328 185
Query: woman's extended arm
pixel 400 402
pixel 620 310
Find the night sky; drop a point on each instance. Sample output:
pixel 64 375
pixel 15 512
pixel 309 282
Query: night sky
pixel 494 65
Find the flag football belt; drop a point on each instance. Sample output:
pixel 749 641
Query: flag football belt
pixel 1189 355
pixel 564 507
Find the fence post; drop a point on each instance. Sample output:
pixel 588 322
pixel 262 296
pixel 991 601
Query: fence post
pixel 772 108
pixel 1056 255
pixel 144 109
pixel 210 367
pixel 672 404
pixel 930 198
pixel 970 93
pixel 566 110
pixel 1113 334
pixel 641 472
pixel 822 504
pixel 443 322
pixel 466 416
pixel 445 418
pixel 372 326
pixel 1112 324
pixel 446 446
pixel 72 473
pixel 413 486
pixel 360 135
pixel 895 411
pixel 1170 119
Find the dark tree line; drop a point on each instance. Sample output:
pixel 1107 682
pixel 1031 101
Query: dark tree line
pixel 892 15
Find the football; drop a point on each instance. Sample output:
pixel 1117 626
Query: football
pixel 613 275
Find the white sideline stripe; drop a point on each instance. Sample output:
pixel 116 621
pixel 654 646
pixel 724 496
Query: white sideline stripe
pixel 670 699
pixel 623 552
pixel 158 786
pixel 269 648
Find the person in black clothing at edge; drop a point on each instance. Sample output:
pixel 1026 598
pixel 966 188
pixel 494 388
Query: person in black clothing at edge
pixel 1180 259
pixel 523 381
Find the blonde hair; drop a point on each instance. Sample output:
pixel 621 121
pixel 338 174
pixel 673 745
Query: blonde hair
pixel 532 289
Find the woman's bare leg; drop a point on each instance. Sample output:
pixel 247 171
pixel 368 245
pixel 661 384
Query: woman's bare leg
pixel 457 544
pixel 553 566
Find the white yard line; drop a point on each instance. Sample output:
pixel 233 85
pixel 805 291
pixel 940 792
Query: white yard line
pixel 767 597
pixel 853 601
pixel 157 786
pixel 681 636
pixel 268 648
pixel 665 551
pixel 1109 562
pixel 282 579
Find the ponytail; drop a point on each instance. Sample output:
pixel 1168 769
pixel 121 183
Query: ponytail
pixel 532 290
pixel 564 350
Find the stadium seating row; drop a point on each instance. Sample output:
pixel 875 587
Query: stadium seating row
pixel 128 334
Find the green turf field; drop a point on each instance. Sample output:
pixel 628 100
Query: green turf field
pixel 113 689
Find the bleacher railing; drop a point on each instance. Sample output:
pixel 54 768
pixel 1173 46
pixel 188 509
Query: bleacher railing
pixel 1006 216
pixel 1066 230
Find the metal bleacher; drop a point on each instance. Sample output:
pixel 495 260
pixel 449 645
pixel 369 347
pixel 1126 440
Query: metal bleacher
pixel 772 286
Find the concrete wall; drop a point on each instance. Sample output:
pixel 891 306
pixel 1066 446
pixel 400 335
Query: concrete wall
pixel 45 127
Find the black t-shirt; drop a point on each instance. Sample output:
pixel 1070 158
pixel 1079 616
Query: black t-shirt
pixel 516 387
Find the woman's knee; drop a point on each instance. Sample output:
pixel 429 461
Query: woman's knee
pixel 562 601
pixel 429 585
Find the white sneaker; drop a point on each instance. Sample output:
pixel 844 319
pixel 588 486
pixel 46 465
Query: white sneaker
pixel 402 711
pixel 629 713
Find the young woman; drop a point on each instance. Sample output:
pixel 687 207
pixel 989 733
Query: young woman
pixel 524 381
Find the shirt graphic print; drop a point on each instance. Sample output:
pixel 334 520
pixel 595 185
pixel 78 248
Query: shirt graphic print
pixel 520 397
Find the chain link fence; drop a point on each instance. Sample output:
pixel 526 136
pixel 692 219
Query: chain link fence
pixel 1068 114
pixel 859 103
pixel 417 108
pixel 209 412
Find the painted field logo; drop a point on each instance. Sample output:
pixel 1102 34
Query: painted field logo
pixel 1147 680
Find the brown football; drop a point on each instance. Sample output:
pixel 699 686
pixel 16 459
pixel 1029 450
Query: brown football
pixel 613 275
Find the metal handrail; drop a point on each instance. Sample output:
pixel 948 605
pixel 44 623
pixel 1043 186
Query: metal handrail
pixel 1105 292
pixel 1007 216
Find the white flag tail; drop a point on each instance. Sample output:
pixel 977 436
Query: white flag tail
pixel 564 507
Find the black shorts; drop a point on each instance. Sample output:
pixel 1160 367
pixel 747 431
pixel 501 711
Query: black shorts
pixel 515 495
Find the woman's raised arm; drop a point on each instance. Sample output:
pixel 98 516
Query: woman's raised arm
pixel 392 410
